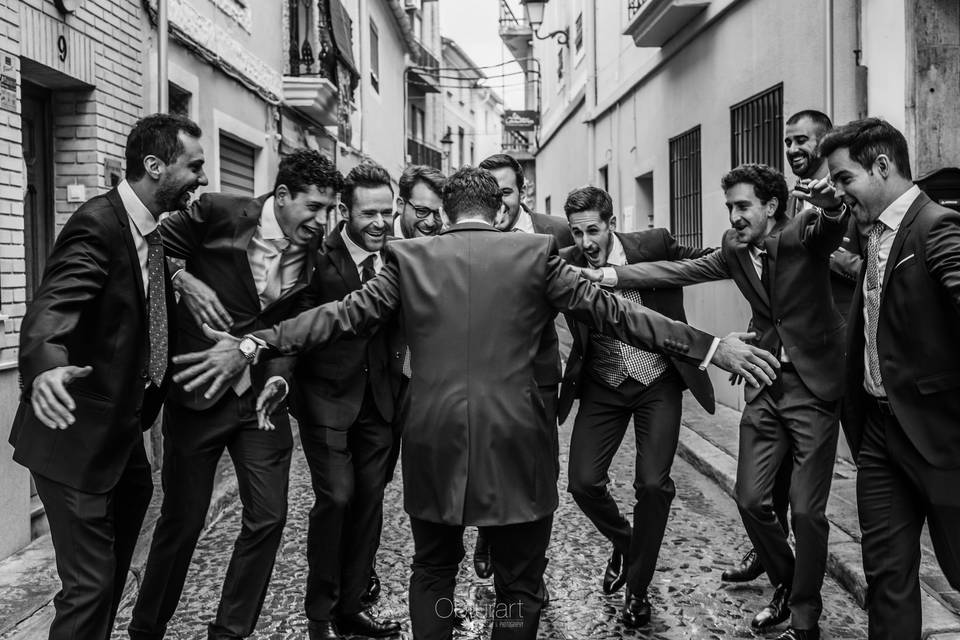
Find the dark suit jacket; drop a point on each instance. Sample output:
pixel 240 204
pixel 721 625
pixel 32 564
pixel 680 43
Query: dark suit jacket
pixel 477 443
pixel 801 314
pixel 329 382
pixel 212 236
pixel 548 365
pixel 90 309
pixel 641 246
pixel 918 336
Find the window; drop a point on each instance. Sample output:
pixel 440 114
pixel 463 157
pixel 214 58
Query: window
pixel 756 129
pixel 178 101
pixel 686 216
pixel 237 166
pixel 374 57
pixel 578 34
pixel 417 122
pixel 560 64
pixel 605 179
pixel 546 205
pixel 473 159
pixel 460 148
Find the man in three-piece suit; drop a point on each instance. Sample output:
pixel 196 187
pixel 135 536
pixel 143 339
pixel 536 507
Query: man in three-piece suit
pixel 615 382
pixel 344 402
pixel 94 350
pixel 902 408
pixel 477 440
pixel 516 218
pixel 782 268
pixel 246 262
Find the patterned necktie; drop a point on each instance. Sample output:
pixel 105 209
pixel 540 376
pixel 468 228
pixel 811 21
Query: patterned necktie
pixel 157 302
pixel 873 280
pixel 367 272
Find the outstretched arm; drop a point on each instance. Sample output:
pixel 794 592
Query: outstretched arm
pixel 678 273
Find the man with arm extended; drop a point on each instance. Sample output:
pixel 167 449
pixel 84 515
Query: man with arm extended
pixel 477 440
pixel 94 362
pixel 249 259
pixel 616 382
pixel 782 268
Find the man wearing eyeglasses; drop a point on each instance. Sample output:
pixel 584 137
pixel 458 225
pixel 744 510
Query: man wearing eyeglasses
pixel 418 202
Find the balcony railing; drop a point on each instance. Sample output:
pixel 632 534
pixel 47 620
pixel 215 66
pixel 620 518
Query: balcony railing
pixel 420 153
pixel 633 6
pixel 651 23
pixel 426 59
pixel 518 144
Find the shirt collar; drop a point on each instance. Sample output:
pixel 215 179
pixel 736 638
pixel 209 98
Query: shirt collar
pixel 269 225
pixel 616 257
pixel 472 221
pixel 136 210
pixel 524 222
pixel 893 215
pixel 357 253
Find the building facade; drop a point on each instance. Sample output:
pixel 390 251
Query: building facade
pixel 664 96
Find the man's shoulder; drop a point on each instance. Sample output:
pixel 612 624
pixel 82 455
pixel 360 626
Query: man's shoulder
pixel 99 212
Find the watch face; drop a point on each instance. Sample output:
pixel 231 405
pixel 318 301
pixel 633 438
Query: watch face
pixel 248 347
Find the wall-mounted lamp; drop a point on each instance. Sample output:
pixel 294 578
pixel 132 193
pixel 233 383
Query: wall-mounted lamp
pixel 534 10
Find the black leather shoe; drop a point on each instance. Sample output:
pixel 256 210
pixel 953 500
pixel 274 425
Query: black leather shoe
pixel 748 569
pixel 325 630
pixel 362 623
pixel 372 594
pixel 800 634
pixel 775 612
pixel 616 574
pixel 636 610
pixel 482 562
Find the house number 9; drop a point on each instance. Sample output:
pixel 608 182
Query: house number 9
pixel 62 48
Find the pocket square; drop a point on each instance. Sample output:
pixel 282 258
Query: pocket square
pixel 909 257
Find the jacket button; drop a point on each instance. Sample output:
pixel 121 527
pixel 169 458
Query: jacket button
pixel 144 375
pixel 365 370
pixel 779 321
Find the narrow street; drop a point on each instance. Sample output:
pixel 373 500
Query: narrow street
pixel 703 537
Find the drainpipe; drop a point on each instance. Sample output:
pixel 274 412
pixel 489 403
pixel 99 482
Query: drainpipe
pixel 590 30
pixel 828 59
pixel 163 28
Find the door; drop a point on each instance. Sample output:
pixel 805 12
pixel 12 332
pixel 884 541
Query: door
pixel 38 216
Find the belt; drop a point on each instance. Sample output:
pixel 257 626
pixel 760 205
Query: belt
pixel 883 405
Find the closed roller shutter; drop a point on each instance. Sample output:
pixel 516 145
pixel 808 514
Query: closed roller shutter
pixel 236 166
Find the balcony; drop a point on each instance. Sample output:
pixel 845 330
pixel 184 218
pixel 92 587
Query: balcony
pixel 652 22
pixel 419 152
pixel 520 145
pixel 424 75
pixel 516 33
pixel 313 96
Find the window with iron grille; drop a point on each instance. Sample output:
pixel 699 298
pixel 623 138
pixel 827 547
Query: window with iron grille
pixel 374 56
pixel 560 64
pixel 756 129
pixel 686 214
pixel 578 34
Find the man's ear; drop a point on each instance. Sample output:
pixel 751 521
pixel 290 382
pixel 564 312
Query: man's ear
pixel 281 193
pixel 882 163
pixel 399 204
pixel 613 223
pixel 153 166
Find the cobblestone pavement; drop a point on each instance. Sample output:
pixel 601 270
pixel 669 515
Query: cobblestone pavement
pixel 704 536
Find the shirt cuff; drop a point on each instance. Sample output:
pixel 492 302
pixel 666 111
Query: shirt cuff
pixel 610 278
pixel 279 379
pixel 176 273
pixel 713 349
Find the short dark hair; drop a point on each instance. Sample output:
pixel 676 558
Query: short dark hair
pixel 767 183
pixel 589 199
pixel 504 161
pixel 367 174
pixel 156 135
pixel 305 167
pixel 866 140
pixel 819 118
pixel 471 189
pixel 415 173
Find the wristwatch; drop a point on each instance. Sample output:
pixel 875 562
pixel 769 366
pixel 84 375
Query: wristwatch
pixel 248 348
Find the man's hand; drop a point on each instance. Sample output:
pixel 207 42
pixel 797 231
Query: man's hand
pixel 756 366
pixel 820 194
pixel 221 364
pixel 52 404
pixel 202 301
pixel 735 379
pixel 589 274
pixel 269 400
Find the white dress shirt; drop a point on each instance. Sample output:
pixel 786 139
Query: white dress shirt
pixel 524 222
pixel 358 254
pixel 275 264
pixel 891 218
pixel 142 223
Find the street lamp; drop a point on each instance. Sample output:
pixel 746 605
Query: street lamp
pixel 535 9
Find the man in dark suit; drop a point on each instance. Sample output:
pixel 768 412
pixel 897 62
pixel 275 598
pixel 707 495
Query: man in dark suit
pixel 344 401
pixel 94 361
pixel 902 408
pixel 782 268
pixel 477 441
pixel 517 218
pixel 615 382
pixel 246 261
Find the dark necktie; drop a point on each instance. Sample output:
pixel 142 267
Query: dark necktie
pixel 157 301
pixel 765 273
pixel 367 271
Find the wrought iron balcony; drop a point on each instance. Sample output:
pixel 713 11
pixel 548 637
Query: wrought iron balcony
pixel 419 152
pixel 652 22
pixel 520 145
pixel 516 33
pixel 425 74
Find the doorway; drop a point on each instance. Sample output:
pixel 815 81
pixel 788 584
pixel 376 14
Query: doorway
pixel 38 215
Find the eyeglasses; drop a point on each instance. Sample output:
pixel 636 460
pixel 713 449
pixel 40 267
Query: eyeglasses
pixel 423 213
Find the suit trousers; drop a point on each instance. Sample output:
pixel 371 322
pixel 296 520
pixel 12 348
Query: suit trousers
pixel 597 433
pixel 348 473
pixel 194 442
pixel 805 428
pixel 94 535
pixel 519 559
pixel 896 491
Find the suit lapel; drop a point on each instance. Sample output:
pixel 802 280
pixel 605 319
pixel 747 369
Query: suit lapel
pixel 121 212
pixel 746 264
pixel 246 227
pixel 902 234
pixel 341 260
